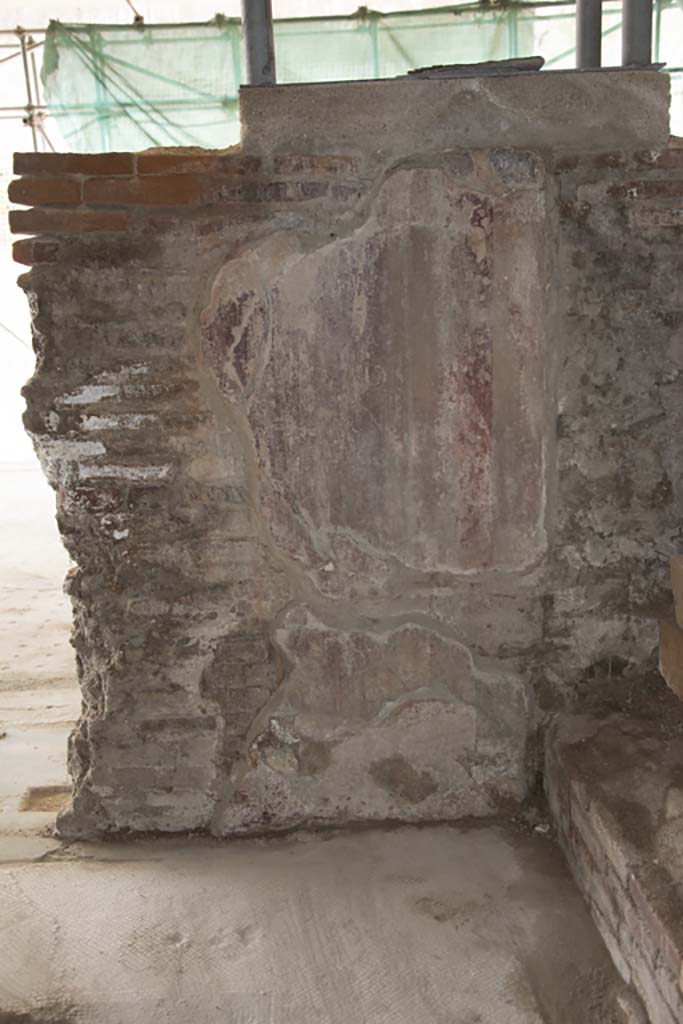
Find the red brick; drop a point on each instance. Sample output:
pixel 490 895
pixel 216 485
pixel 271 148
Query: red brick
pixel 577 211
pixel 238 166
pixel 33 250
pixel 667 159
pixel 181 162
pixel 566 162
pixel 313 165
pixel 45 191
pixel 652 188
pixel 271 191
pixel 201 161
pixel 650 217
pixel 608 159
pixel 150 190
pixel 65 222
pixel 74 163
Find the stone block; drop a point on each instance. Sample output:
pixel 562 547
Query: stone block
pixel 373 672
pixel 394 118
pixel 402 734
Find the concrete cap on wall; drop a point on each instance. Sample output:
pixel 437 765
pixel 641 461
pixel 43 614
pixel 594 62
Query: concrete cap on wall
pixel 587 110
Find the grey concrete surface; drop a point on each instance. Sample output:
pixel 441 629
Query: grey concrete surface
pixel 586 110
pixel 476 925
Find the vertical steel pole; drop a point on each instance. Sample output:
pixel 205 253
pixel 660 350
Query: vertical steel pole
pixel 588 33
pixel 636 33
pixel 259 48
pixel 29 94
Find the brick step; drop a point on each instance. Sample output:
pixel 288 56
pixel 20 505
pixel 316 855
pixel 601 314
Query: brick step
pixel 613 784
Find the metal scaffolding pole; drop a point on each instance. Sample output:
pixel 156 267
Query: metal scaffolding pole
pixel 30 106
pixel 259 47
pixel 636 33
pixel 588 33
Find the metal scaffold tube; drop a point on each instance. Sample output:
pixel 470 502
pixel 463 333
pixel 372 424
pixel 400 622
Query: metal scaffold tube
pixel 636 38
pixel 588 33
pixel 30 107
pixel 259 47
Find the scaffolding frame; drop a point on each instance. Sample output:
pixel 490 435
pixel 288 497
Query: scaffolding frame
pixel 26 41
pixel 34 112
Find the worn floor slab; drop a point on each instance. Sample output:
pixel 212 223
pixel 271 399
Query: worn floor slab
pixel 474 925
pixel 34 783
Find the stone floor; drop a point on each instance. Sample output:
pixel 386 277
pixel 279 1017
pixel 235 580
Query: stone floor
pixel 35 616
pixel 476 924
pixel 39 696
pixel 456 925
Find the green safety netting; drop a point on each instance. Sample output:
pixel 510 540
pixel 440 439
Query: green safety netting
pixel 114 87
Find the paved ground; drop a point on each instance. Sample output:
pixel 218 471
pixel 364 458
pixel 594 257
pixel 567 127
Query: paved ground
pixel 467 925
pixel 35 616
pixel 442 924
pixel 39 696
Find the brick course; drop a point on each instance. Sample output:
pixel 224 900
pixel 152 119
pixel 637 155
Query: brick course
pixel 74 163
pixel 32 250
pixel 45 191
pixel 634 901
pixel 150 190
pixel 63 222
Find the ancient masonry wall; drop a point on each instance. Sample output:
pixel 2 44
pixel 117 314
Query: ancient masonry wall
pixel 368 462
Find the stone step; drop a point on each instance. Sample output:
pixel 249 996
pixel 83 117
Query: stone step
pixel 613 784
